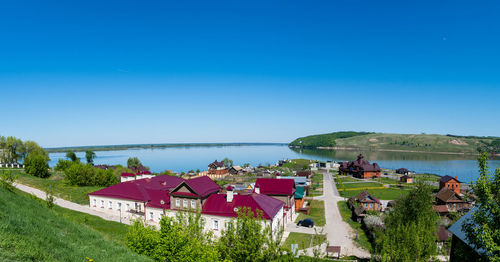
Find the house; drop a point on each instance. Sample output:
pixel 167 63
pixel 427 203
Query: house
pixel 359 213
pixel 139 175
pixel 360 168
pixel 218 168
pixel 329 165
pixel 442 210
pixel 451 200
pixel 367 201
pixel 281 189
pixel 442 237
pixel 306 173
pixel 219 209
pixel 406 179
pixel 450 183
pixel 402 171
pixel 235 170
pixel 191 193
pixel 127 177
pixel 461 249
pixel 130 199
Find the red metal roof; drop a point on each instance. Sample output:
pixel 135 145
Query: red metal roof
pixel 143 172
pixel 158 199
pixel 273 186
pixel 217 205
pixel 128 174
pixel 203 185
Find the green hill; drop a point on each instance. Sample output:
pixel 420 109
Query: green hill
pixel 29 231
pixel 403 142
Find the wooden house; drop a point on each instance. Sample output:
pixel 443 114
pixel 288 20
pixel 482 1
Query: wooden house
pixel 451 199
pixel 360 168
pixel 406 179
pixel 217 168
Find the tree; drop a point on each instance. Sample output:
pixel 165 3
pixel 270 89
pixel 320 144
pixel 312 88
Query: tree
pixel 72 156
pixel 180 238
pixel 36 164
pixel 410 233
pixel 87 175
pixel 228 162
pixel 483 228
pixel 62 165
pixel 90 155
pixel 245 239
pixel 133 162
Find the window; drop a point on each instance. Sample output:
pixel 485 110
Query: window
pixel 193 204
pixel 177 202
pixel 119 206
pixel 371 205
pixel 216 224
pixel 110 204
pixel 102 203
pixel 366 204
pixel 127 207
pixel 151 215
pixel 95 202
pixel 185 203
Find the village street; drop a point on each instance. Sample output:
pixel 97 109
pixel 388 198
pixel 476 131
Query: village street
pixel 339 233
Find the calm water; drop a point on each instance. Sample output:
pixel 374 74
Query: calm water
pixel 186 158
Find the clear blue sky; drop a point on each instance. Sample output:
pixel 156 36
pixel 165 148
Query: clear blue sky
pixel 119 72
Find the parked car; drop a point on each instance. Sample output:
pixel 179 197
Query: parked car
pixel 306 222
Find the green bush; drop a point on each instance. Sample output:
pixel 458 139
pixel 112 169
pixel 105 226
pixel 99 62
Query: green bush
pixel 87 175
pixel 7 180
pixel 62 165
pixel 36 164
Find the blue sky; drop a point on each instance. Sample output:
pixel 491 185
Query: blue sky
pixel 119 72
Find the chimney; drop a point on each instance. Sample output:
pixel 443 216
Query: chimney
pixel 257 189
pixel 229 194
pixel 456 178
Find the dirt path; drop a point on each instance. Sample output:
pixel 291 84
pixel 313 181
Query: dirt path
pixel 70 205
pixel 339 233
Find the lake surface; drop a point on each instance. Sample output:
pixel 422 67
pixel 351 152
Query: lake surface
pixel 191 158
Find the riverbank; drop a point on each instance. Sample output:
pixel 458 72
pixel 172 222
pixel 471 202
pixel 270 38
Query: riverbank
pixel 392 150
pixel 151 146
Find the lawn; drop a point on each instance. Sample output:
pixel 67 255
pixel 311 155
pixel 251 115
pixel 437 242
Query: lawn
pixel 427 177
pixel 303 240
pixel 317 213
pixel 382 194
pixel 317 185
pixel 362 238
pixel 386 180
pixel 77 194
pixel 362 185
pixel 29 231
pixel 347 179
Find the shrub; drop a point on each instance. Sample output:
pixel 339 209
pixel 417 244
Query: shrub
pixel 7 180
pixel 36 165
pixel 62 165
pixel 87 175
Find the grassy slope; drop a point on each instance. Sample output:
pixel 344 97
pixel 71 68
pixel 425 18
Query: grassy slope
pixel 31 232
pixel 407 142
pixel 303 240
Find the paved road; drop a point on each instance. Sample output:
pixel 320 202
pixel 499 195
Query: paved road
pixel 339 233
pixel 70 205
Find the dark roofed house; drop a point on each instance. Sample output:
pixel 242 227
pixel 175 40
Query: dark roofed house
pixel 359 213
pixel 402 171
pixel 218 168
pixel 368 202
pixel 360 168
pixel 450 183
pixel 406 179
pixel 461 249
pixel 451 199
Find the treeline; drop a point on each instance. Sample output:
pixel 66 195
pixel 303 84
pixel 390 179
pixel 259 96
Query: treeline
pixel 35 158
pixel 324 140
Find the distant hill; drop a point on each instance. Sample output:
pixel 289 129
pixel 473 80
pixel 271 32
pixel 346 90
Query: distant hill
pixel 29 231
pixel 399 142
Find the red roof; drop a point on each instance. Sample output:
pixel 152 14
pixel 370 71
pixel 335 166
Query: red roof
pixel 203 185
pixel 440 208
pixel 139 189
pixel 158 199
pixel 144 172
pixel 273 186
pixel 448 178
pixel 127 174
pixel 217 205
pixel 303 173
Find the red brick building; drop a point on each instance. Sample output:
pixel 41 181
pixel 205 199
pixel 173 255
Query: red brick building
pixel 217 168
pixel 451 183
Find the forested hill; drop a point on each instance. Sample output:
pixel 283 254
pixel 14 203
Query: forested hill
pixel 403 142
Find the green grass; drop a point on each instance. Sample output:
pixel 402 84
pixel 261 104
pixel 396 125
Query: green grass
pixel 317 213
pixel 29 231
pixel 60 188
pixel 317 185
pixel 361 185
pixel 382 194
pixel 303 240
pixel 427 177
pixel 347 179
pixel 362 239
